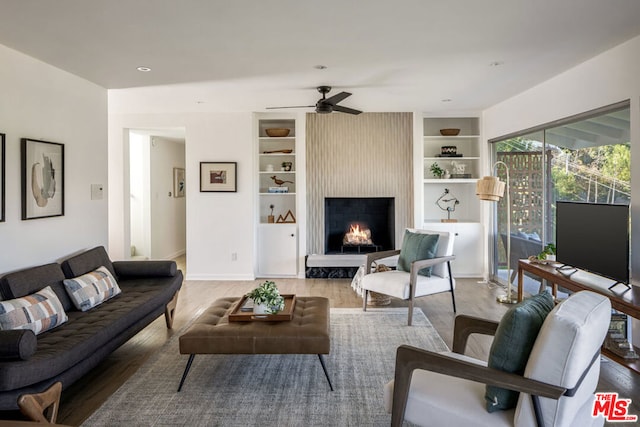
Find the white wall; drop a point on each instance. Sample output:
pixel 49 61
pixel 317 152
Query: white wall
pixel 168 213
pixel 218 224
pixel 46 103
pixel 139 183
pixel 608 78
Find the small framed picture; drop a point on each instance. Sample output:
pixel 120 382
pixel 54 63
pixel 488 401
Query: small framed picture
pixel 218 176
pixel 42 179
pixel 178 182
pixel 2 176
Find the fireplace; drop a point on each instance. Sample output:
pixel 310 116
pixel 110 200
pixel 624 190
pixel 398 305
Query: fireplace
pixel 359 224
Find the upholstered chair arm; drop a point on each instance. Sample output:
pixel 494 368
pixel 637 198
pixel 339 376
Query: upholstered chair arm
pixel 373 256
pixel 466 325
pixel 423 263
pixel 410 358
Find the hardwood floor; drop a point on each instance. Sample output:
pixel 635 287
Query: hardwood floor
pixel 81 399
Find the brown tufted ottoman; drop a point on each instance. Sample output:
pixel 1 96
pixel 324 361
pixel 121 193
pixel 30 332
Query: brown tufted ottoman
pixel 306 333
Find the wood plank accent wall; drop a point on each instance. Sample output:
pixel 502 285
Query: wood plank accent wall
pixel 369 155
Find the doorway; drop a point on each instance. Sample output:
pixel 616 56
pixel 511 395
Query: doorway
pixel 157 193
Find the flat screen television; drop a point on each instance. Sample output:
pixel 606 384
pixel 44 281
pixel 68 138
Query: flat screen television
pixel 594 237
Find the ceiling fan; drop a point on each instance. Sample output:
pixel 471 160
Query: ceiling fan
pixel 327 105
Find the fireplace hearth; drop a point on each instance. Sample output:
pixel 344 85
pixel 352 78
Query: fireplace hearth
pixel 359 224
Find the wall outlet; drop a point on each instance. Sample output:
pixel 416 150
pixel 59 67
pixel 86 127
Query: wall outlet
pixel 234 256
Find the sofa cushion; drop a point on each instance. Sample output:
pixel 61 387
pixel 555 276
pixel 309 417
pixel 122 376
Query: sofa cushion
pixel 17 344
pixel 86 262
pixel 39 312
pixel 30 280
pixel 415 247
pixel 512 344
pixel 91 289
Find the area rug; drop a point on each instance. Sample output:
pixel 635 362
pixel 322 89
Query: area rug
pixel 275 390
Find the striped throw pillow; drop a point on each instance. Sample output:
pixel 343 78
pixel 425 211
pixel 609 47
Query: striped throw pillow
pixel 39 312
pixel 92 289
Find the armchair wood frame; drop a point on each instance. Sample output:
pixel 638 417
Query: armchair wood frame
pixel 410 358
pixel 42 407
pixel 413 276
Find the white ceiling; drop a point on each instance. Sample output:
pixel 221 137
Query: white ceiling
pixel 243 55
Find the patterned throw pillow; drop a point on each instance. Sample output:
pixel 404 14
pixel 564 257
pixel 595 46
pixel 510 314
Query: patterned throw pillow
pixel 92 289
pixel 39 312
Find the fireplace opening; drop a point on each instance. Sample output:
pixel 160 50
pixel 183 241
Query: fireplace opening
pixel 359 225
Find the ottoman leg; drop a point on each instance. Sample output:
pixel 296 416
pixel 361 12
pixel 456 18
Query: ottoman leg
pixel 326 374
pixel 186 371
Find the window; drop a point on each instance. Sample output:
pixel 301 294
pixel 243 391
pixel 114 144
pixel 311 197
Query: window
pixel 586 158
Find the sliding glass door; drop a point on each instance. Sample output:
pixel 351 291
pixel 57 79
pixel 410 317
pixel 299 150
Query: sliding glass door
pixel 584 159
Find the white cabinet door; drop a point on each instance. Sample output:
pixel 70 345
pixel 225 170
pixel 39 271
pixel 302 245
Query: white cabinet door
pixel 467 247
pixel 277 250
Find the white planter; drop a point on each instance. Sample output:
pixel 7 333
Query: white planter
pixel 260 309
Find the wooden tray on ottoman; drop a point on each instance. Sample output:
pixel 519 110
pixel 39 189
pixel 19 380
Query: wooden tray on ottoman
pixel 247 316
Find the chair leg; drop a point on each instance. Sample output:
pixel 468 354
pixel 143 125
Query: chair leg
pixel 410 320
pixel 365 297
pixel 453 295
pixel 42 407
pixel 170 310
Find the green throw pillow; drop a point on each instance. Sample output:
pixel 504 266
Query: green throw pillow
pixel 417 246
pixel 512 344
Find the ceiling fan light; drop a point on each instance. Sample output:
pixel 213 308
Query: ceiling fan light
pixel 323 109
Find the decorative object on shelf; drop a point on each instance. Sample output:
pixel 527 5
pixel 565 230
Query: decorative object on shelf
pixel 270 218
pixel 436 170
pixel 447 174
pixel 458 168
pixel 279 181
pixel 289 218
pixel 449 132
pixel 278 190
pixel 269 168
pixel 178 182
pixel 266 298
pixel 447 202
pixel 2 176
pixel 286 166
pixel 492 189
pixel 218 177
pixel 42 179
pixel 277 132
pixel 283 151
pixel 449 150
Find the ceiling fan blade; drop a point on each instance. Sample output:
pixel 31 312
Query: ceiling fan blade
pixel 333 100
pixel 296 106
pixel 347 110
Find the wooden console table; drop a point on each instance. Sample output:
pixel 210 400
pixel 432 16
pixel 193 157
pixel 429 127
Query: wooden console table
pixel 622 299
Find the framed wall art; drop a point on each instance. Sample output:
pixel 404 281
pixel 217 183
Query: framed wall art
pixel 2 176
pixel 218 176
pixel 42 178
pixel 178 182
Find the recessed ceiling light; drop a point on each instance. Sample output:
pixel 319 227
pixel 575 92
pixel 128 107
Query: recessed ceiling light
pixel 320 67
pixel 200 102
pixel 144 69
pixel 446 100
pixel 496 63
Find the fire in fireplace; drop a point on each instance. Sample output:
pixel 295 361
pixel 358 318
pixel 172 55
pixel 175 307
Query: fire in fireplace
pixel 356 236
pixel 359 224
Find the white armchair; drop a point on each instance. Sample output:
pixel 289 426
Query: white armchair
pixel 556 389
pixel 411 285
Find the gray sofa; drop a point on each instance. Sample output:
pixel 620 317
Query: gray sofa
pixel 30 363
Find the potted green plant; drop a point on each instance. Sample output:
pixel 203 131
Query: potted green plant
pixel 266 298
pixel 436 170
pixel 548 252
